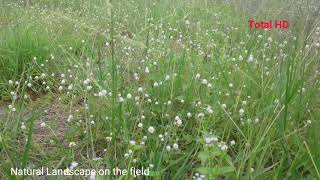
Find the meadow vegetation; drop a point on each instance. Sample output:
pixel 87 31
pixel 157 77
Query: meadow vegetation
pixel 184 88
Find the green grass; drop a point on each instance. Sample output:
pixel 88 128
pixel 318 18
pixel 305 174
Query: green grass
pixel 87 81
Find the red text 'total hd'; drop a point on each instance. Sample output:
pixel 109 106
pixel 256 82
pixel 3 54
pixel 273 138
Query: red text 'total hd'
pixel 277 24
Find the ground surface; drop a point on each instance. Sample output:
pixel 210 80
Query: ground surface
pixel 184 89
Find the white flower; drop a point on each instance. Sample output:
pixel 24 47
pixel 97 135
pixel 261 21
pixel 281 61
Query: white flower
pixel 43 125
pixel 109 138
pixel 224 147
pixel 256 120
pixel 167 77
pixel 168 148
pixel 73 165
pixel 71 144
pixel 155 84
pixel 70 118
pixel 151 129
pixel 29 85
pixel 179 123
pixel 144 138
pixel 10 82
pixel 204 81
pixel 241 112
pixel 232 143
pixel 207 140
pixel 197 76
pixel 103 92
pixel 210 111
pixel 250 59
pixel 132 142
pixel 86 82
pixel 224 106
pixel 175 146
pixel 230 85
pixel 89 88
pixel 318 44
pixel 147 70
pixel 136 77
pixel 240 58
pixel 189 115
pixel 200 115
pixel 140 89
pixel 129 96
pixel 211 140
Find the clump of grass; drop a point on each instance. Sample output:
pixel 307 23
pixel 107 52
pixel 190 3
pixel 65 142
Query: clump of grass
pixel 184 89
pixel 21 48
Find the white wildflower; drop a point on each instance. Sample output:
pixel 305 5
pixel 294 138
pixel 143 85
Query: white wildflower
pixel 151 129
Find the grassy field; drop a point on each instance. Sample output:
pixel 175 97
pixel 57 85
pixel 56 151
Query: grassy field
pixel 182 89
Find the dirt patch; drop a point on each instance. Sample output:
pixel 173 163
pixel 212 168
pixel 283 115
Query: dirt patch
pixel 55 120
pixel 50 127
